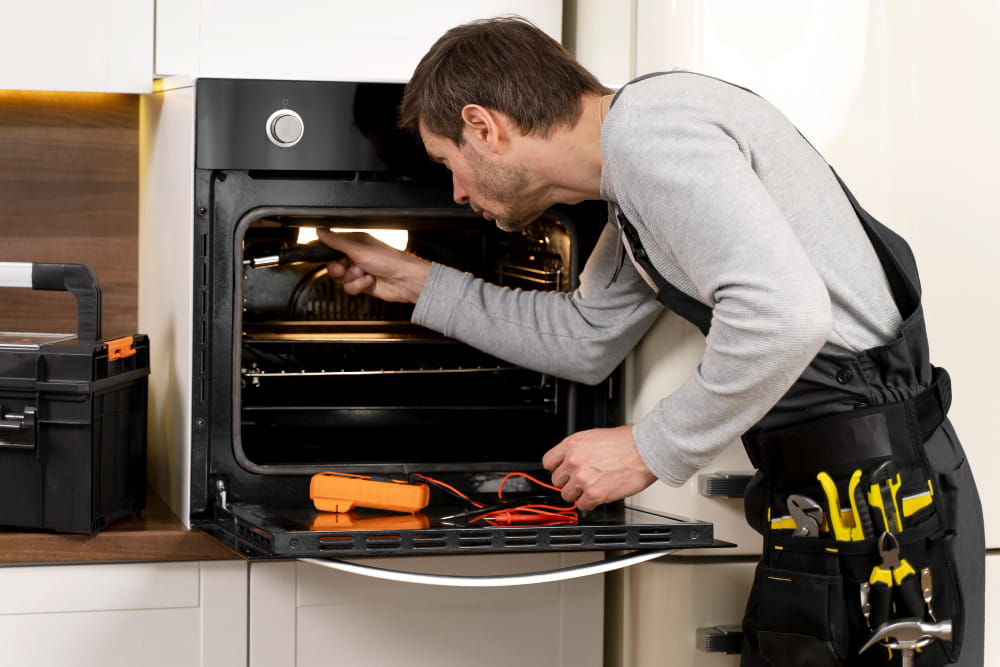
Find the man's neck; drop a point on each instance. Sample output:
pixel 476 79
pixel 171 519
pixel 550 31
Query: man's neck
pixel 569 160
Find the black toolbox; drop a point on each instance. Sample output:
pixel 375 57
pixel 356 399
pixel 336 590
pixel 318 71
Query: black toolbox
pixel 72 414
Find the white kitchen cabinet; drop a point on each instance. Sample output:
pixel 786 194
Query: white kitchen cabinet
pixel 992 653
pixel 668 600
pixel 901 100
pixel 377 40
pixel 600 33
pixel 304 615
pixel 118 615
pixel 101 46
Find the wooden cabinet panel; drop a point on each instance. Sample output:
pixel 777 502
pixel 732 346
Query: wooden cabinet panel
pixel 69 187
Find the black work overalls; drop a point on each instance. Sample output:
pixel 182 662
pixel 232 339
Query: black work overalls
pixel 847 413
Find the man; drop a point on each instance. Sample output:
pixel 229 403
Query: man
pixel 815 348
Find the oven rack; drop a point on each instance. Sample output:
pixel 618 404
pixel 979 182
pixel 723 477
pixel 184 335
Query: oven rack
pixel 255 373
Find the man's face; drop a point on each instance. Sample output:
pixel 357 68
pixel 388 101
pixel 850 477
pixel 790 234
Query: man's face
pixel 494 189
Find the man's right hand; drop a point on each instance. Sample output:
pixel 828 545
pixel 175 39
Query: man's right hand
pixel 372 267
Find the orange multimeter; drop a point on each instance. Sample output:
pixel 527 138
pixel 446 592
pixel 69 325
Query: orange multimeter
pixel 340 492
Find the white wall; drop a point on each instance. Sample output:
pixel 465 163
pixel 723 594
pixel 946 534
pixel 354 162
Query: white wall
pixel 903 99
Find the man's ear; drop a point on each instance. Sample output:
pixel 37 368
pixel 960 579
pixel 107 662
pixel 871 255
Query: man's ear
pixel 483 126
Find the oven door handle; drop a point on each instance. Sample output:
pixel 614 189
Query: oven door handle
pixel 492 581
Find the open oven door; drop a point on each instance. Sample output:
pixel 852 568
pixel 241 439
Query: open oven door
pixel 297 532
pixel 326 538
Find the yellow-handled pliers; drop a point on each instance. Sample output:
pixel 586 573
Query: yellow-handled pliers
pixel 893 572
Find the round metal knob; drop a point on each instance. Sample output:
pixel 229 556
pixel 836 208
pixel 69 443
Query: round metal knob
pixel 285 128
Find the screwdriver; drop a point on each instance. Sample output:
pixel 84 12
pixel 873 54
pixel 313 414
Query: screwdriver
pixel 314 253
pixel 859 507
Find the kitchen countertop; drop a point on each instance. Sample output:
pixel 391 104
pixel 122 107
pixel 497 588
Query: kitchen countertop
pixel 156 535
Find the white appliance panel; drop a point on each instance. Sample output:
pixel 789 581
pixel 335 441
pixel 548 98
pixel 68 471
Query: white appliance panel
pixel 166 206
pixel 663 360
pixel 901 99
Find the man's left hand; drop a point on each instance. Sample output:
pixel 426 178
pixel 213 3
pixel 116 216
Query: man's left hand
pixel 598 466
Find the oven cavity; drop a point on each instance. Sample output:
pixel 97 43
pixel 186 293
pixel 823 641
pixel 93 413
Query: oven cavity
pixel 327 379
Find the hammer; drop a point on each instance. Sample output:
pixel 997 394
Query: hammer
pixel 909 634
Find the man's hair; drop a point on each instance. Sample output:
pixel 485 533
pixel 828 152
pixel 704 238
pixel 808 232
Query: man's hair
pixel 505 64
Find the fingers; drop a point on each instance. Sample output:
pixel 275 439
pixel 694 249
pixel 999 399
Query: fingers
pixel 346 242
pixel 355 281
pixel 337 269
pixel 566 473
pixel 554 457
pixel 597 466
pixel 352 277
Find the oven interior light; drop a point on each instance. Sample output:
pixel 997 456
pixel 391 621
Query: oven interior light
pixel 397 238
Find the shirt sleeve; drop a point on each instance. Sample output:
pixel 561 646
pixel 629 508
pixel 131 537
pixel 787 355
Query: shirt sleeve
pixel 711 228
pixel 580 335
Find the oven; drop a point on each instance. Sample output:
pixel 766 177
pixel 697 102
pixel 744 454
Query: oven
pixel 270 374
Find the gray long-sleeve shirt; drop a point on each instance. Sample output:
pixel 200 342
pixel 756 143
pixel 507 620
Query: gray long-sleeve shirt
pixel 735 209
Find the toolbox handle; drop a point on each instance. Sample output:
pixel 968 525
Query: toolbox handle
pixel 80 279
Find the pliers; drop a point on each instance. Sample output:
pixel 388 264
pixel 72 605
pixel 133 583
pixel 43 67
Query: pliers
pixel 892 573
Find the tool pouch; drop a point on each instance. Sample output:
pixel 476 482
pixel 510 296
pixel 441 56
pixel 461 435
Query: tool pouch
pixel 806 608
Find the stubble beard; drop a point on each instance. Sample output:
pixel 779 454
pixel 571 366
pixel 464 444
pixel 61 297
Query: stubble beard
pixel 504 185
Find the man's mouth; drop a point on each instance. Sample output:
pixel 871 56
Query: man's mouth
pixel 482 212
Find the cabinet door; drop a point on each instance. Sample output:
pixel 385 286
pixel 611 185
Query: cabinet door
pixel 375 40
pixel 304 615
pixel 121 615
pixel 658 607
pixel 992 607
pixel 77 45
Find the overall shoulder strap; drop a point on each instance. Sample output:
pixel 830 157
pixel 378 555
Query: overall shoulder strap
pixel 692 310
pixel 893 252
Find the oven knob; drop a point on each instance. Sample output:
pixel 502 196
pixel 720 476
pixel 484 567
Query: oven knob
pixel 284 128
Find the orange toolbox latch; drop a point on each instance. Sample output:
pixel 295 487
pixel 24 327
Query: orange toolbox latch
pixel 119 348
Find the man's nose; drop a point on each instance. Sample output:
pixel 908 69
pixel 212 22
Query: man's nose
pixel 458 192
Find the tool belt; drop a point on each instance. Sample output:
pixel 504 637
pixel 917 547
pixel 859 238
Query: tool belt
pixel 858 535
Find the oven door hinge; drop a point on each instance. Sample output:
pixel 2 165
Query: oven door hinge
pixel 220 494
